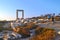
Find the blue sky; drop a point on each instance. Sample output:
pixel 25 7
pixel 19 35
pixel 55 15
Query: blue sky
pixel 31 8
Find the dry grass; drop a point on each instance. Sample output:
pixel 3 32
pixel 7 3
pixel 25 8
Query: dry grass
pixel 46 34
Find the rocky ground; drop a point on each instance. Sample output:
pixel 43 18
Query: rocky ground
pixel 55 26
